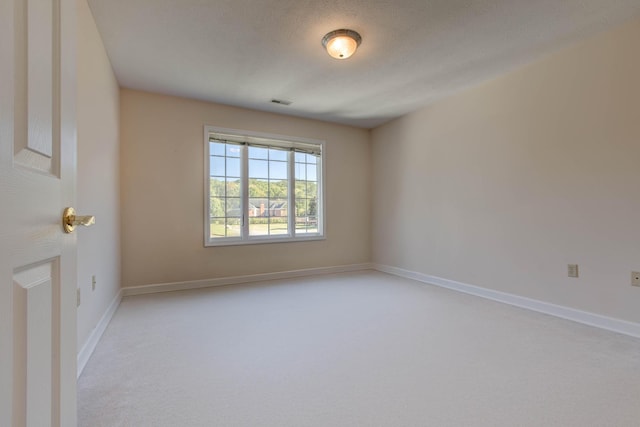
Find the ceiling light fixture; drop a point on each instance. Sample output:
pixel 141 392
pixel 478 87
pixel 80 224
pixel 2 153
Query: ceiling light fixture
pixel 341 44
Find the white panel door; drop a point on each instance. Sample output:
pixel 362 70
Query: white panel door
pixel 37 180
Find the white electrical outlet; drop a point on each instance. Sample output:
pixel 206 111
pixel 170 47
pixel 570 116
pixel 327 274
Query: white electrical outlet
pixel 78 297
pixel 635 278
pixel 93 282
pixel 572 270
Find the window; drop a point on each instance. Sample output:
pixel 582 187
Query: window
pixel 261 188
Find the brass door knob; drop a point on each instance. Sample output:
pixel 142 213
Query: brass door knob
pixel 70 220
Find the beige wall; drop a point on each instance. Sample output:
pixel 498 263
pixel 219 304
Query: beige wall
pixel 98 171
pixel 163 194
pixel 503 185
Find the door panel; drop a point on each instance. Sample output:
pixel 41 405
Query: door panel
pixel 37 181
pixel 40 41
pixel 36 334
pixel 37 77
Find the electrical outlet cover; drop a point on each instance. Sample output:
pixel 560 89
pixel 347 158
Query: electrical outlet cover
pixel 635 278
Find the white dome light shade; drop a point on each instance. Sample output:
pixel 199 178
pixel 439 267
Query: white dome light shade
pixel 341 44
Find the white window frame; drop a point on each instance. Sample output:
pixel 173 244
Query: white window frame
pixel 245 238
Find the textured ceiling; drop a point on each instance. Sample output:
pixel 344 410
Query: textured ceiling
pixel 247 52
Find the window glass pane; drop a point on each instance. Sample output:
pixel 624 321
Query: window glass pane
pixel 233 187
pixel 311 159
pixel 301 226
pixel 216 187
pixel 278 154
pixel 301 171
pixel 312 207
pixel 217 228
pixel 233 150
pixel 301 208
pixel 216 148
pixel 278 208
pixel 278 217
pixel 216 207
pixel 233 207
pixel 300 157
pixel 311 173
pixel 225 227
pixel 258 226
pixel 312 224
pixel 278 189
pixel 258 169
pixel 233 167
pixel 312 189
pixel 258 153
pixel 258 207
pixel 258 188
pixel 234 227
pixel 277 170
pixel 278 226
pixel 216 166
pixel 301 189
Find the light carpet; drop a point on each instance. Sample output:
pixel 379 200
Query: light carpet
pixel 356 349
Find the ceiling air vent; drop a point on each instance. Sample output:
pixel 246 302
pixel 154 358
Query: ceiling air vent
pixel 281 102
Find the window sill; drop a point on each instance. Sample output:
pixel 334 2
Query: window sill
pixel 262 241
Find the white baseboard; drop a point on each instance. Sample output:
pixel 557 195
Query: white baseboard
pixel 90 345
pixel 587 318
pixel 234 280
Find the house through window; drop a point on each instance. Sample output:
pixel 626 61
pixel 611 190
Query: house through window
pixel 261 188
